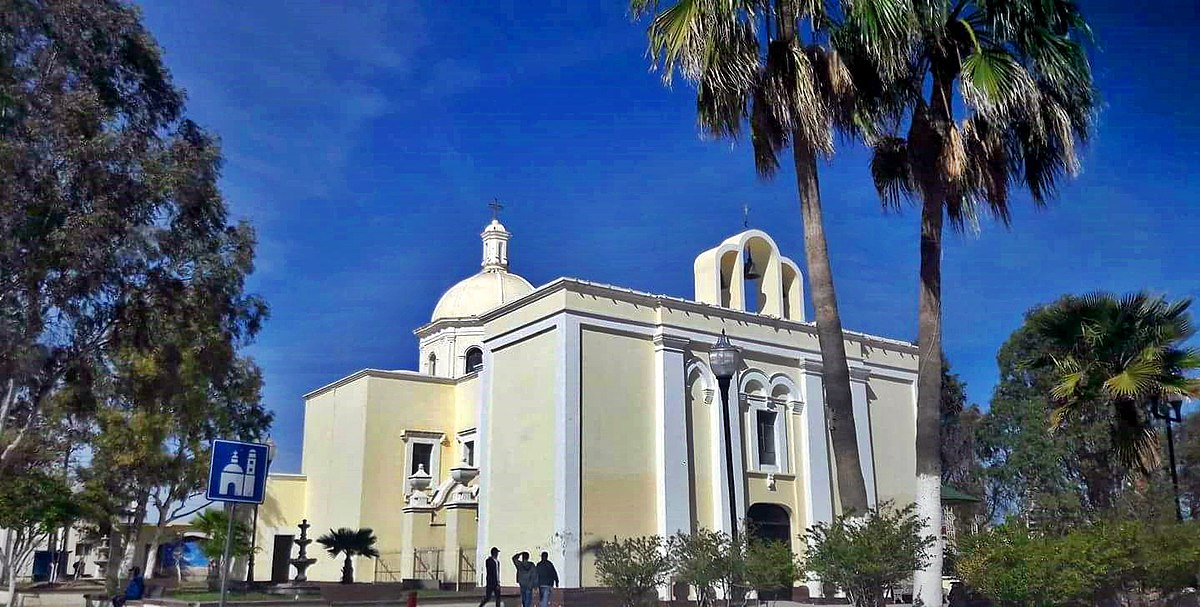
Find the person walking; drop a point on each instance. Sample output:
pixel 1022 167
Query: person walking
pixel 547 579
pixel 527 577
pixel 491 578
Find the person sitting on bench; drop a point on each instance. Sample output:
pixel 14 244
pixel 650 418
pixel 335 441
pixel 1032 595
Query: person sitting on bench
pixel 134 590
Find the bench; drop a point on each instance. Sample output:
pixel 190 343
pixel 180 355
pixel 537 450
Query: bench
pixel 154 591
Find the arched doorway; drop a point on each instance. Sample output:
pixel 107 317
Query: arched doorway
pixel 771 522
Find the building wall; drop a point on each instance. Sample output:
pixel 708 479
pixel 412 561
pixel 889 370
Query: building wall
pixel 283 507
pixel 618 441
pixel 334 459
pixel 894 432
pixel 466 404
pixel 521 447
pixel 396 406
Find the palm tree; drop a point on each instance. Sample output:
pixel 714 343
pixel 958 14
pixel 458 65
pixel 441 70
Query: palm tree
pixel 1025 87
pixel 1119 358
pixel 752 66
pixel 351 543
pixel 214 525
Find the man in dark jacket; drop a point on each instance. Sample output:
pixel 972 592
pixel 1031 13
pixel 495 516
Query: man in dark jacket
pixel 547 579
pixel 527 577
pixel 492 578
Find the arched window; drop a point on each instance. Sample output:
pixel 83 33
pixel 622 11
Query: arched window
pixel 431 368
pixel 474 360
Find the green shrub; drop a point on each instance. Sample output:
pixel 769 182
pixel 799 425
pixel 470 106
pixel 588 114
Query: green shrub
pixel 633 568
pixel 864 556
pixel 699 560
pixel 1089 565
pixel 770 565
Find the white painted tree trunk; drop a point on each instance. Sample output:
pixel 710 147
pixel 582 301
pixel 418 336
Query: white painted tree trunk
pixel 927 583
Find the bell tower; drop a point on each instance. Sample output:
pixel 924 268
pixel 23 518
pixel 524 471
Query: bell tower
pixel 746 272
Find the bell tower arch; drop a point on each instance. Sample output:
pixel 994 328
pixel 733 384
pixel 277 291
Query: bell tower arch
pixel 746 272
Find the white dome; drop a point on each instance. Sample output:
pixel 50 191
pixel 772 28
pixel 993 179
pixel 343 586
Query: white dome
pixel 479 293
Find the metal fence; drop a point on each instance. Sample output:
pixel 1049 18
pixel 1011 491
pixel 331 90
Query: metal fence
pixel 387 567
pixel 466 568
pixel 427 564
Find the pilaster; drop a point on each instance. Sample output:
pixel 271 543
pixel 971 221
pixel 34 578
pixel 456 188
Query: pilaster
pixel 815 445
pixel 568 461
pixel 862 429
pixel 672 481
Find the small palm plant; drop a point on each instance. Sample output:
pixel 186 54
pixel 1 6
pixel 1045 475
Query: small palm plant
pixel 351 543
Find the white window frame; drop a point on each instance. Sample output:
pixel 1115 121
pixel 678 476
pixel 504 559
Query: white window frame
pixel 466 359
pixel 425 437
pixel 754 404
pixel 464 437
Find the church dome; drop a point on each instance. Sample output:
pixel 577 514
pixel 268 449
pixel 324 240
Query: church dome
pixel 480 293
pixel 490 288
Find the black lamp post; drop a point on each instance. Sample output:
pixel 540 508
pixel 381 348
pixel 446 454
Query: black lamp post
pixel 1171 411
pixel 254 526
pixel 725 359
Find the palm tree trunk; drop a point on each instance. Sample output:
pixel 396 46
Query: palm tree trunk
pixel 928 135
pixel 852 489
pixel 348 571
pixel 928 581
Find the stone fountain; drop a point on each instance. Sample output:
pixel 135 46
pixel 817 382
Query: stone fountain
pixel 299 584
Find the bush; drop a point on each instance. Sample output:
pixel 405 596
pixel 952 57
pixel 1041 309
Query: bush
pixel 699 561
pixel 633 568
pixel 864 556
pixel 1096 564
pixel 770 566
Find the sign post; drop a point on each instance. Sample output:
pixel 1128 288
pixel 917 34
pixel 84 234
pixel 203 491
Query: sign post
pixel 236 475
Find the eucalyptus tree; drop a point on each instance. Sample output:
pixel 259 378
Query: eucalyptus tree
pixel 767 66
pixel 104 182
pixel 996 96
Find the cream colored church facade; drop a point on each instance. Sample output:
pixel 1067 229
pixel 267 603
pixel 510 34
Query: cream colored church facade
pixel 551 418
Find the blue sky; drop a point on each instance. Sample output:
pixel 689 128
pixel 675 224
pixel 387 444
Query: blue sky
pixel 364 140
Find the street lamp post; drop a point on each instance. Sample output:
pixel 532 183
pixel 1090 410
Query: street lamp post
pixel 1171 411
pixel 254 526
pixel 725 358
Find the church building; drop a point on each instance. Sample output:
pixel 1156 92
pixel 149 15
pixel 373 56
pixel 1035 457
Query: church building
pixel 553 418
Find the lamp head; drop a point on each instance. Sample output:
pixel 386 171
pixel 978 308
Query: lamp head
pixel 724 357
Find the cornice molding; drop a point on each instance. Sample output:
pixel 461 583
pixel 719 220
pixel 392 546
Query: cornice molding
pixel 670 342
pixel 576 285
pixel 381 374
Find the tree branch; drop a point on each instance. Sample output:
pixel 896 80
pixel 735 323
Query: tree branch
pixel 6 404
pixel 174 516
pixel 11 447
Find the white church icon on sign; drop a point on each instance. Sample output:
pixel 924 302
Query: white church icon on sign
pixel 236 481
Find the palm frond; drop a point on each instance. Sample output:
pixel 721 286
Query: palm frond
pixel 891 172
pixel 791 92
pixel 884 31
pixel 768 137
pixel 995 84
